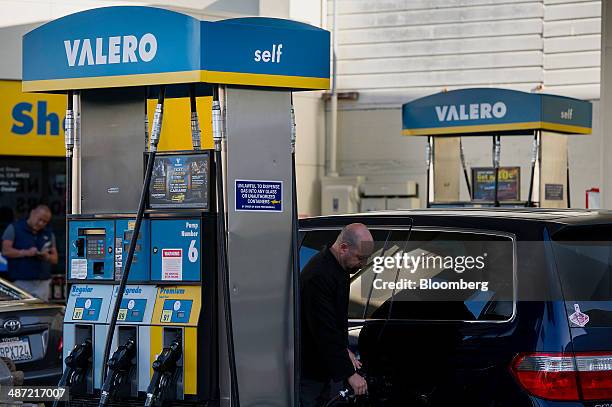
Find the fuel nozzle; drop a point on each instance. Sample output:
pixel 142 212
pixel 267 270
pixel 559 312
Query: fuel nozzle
pixel 164 371
pixel 76 362
pixel 119 367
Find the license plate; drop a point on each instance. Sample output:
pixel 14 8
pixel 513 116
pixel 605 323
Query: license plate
pixel 16 349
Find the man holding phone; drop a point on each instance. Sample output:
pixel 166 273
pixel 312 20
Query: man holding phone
pixel 29 246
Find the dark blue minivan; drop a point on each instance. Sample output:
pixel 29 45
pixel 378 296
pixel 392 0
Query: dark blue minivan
pixel 481 307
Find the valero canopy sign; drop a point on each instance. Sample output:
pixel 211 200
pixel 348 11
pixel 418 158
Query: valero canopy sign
pixel 499 111
pixel 133 46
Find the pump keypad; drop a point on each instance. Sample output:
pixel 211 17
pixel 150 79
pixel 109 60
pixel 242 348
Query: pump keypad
pixel 96 248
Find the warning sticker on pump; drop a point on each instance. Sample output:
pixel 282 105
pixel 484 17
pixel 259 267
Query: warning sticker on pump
pixel 78 269
pixel 259 196
pixel 172 264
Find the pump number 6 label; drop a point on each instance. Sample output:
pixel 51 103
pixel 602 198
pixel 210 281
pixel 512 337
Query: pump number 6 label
pixel 193 254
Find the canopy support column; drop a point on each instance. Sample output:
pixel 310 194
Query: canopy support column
pixel 428 161
pixel 534 159
pixel 496 158
pixel 465 171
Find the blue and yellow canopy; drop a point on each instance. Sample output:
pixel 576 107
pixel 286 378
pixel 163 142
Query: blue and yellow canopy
pixel 481 111
pixel 135 46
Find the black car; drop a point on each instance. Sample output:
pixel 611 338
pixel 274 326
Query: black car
pixel 31 335
pixel 515 311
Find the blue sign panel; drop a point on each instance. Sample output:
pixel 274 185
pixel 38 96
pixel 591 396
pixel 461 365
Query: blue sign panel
pixel 265 46
pixel 176 311
pixel 175 250
pixel 87 309
pixel 112 41
pixel 489 110
pixel 259 196
pixel 132 310
pixel 148 46
pixel 90 249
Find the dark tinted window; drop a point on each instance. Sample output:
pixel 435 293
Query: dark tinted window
pixel 442 276
pixel 583 257
pixel 584 260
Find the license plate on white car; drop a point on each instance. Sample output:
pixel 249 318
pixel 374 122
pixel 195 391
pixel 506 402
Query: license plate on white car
pixel 17 349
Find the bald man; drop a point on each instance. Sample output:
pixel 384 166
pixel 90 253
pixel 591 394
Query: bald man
pixel 327 363
pixel 29 246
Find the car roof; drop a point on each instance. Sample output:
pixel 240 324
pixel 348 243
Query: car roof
pixel 559 216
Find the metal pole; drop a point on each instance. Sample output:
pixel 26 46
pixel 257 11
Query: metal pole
pixel 496 158
pixel 428 160
pixel 218 128
pixel 146 120
pixel 569 204
pixel 295 254
pixel 76 157
pixel 465 171
pixel 534 157
pixel 333 142
pixel 69 141
pixel 195 123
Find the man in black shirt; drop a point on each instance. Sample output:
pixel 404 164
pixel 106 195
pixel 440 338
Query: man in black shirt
pixel 324 289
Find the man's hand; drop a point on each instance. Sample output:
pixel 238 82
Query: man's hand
pixel 356 362
pixel 32 251
pixel 359 385
pixel 45 254
pixel 49 255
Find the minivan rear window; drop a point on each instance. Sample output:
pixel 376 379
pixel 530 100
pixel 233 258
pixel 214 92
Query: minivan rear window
pixel 583 256
pixel 439 276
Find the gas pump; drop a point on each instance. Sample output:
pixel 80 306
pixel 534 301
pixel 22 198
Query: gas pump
pixel 181 280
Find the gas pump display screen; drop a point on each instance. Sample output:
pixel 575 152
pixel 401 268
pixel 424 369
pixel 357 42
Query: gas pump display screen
pixel 180 181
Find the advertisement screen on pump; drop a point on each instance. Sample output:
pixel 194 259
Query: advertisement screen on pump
pixel 180 181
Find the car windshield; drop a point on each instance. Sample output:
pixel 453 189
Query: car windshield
pixel 10 293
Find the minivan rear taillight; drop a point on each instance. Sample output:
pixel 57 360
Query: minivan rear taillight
pixel 595 375
pixel 557 376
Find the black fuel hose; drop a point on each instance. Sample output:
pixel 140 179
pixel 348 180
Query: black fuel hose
pixel 222 249
pixel 141 207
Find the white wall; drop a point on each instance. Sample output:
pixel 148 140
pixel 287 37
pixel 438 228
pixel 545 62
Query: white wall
pixel 394 51
pixel 310 122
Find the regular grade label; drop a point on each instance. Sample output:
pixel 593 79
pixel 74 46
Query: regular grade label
pixel 259 196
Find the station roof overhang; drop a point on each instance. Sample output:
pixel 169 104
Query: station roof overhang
pixel 492 111
pixel 127 46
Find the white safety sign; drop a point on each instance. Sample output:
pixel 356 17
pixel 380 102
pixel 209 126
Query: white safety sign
pixel 78 269
pixel 172 264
